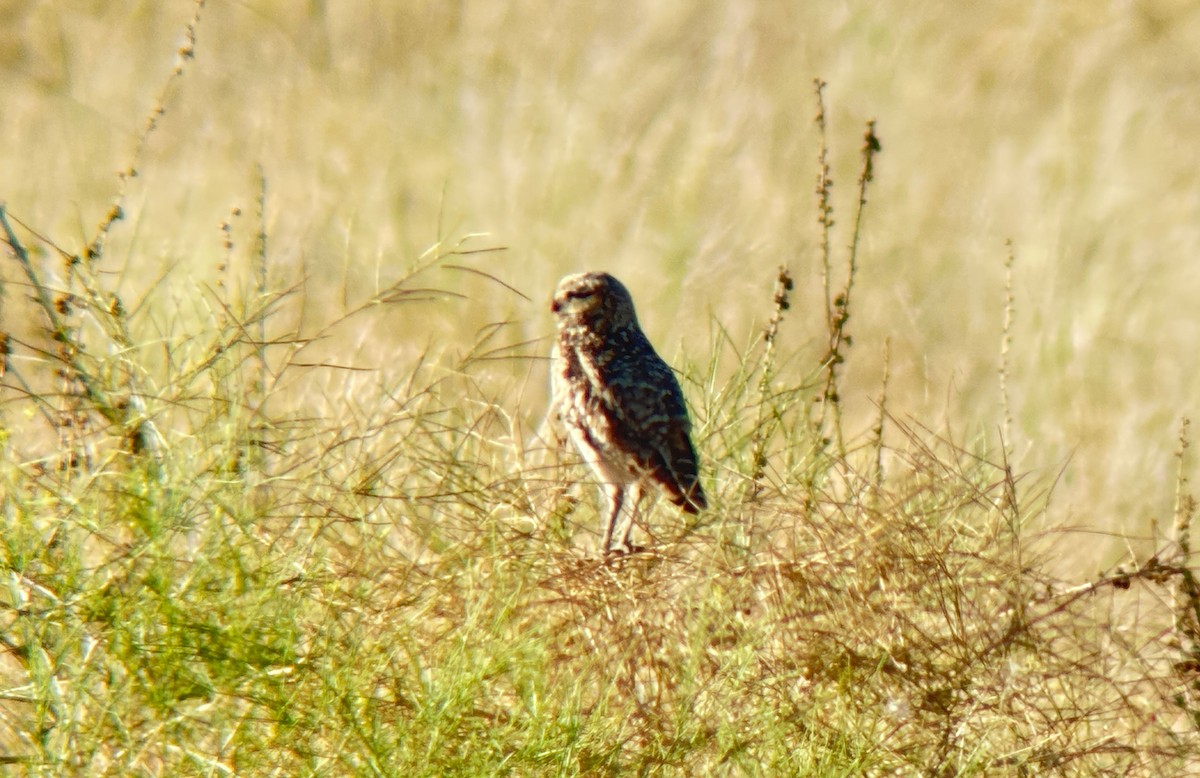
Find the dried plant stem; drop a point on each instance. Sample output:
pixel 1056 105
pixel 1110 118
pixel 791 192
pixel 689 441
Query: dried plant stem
pixel 824 206
pixel 256 464
pixel 781 302
pixel 1005 348
pixel 116 212
pixel 1187 589
pixel 878 431
pixel 113 391
pixel 838 308
pixel 261 289
pixel 81 373
pixel 59 330
pixel 1011 506
pixel 825 227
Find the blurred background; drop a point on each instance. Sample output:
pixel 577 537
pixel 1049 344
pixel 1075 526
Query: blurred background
pixel 674 145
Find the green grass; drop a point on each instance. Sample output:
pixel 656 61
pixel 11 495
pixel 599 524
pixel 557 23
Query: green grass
pixel 273 497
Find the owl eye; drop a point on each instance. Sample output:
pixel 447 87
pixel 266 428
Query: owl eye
pixel 580 295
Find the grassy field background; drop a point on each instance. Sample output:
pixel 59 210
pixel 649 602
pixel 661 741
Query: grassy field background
pixel 357 153
pixel 676 148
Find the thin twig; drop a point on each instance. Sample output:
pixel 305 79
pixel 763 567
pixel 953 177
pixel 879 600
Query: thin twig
pixel 1006 346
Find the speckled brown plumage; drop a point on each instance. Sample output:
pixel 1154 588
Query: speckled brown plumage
pixel 619 402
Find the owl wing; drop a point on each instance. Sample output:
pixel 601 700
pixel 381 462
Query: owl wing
pixel 653 428
pixel 673 466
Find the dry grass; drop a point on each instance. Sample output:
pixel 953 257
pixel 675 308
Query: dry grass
pixel 273 498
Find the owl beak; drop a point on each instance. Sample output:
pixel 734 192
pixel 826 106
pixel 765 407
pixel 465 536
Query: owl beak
pixel 555 306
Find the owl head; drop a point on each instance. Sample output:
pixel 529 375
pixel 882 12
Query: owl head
pixel 594 300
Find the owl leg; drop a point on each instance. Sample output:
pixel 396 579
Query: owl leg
pixel 615 497
pixel 633 501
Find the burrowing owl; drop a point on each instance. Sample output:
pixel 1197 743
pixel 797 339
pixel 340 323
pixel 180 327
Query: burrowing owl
pixel 619 402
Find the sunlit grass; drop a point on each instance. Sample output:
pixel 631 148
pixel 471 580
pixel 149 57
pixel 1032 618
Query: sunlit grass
pixel 274 496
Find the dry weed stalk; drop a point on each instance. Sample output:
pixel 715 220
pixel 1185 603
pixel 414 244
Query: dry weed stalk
pixel 762 434
pixel 1006 440
pixel 881 419
pixel 837 305
pixel 114 386
pixel 1186 593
